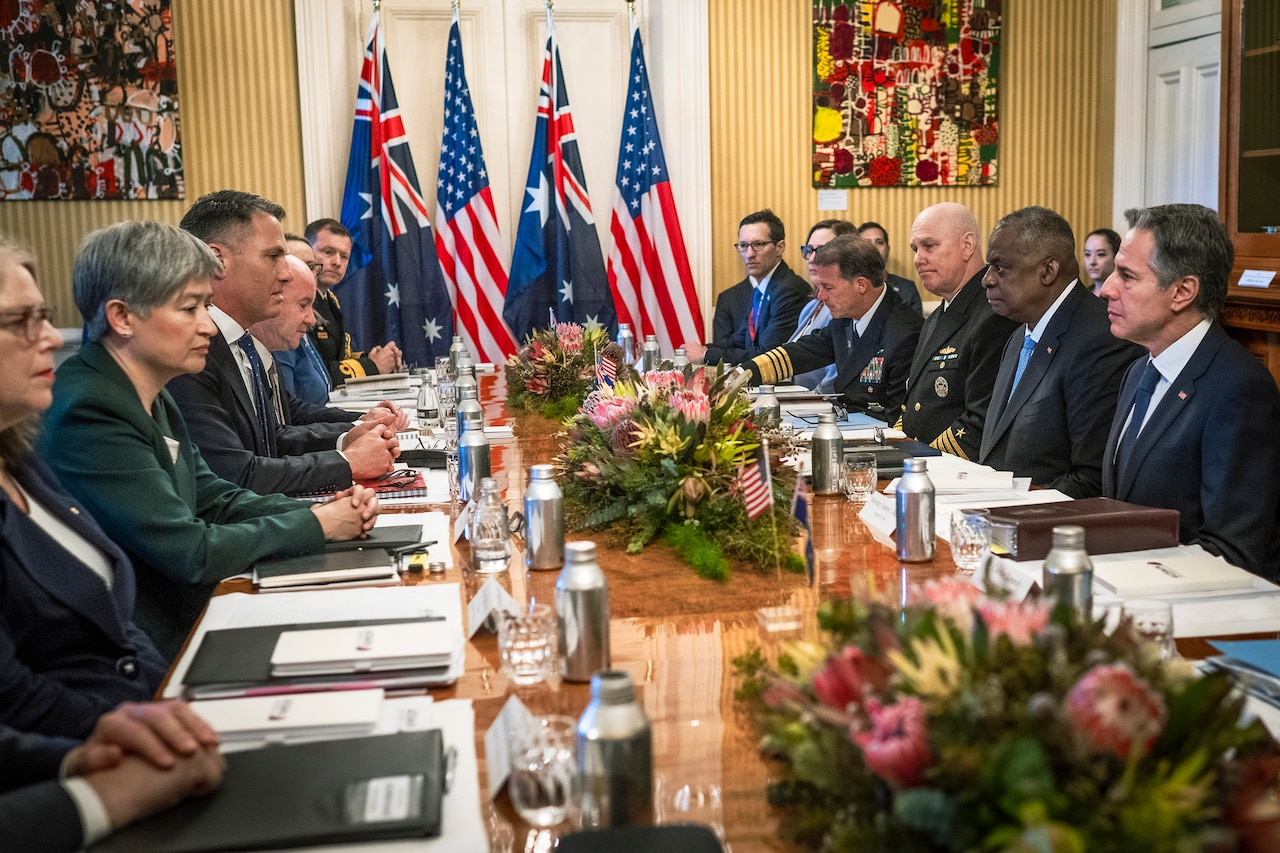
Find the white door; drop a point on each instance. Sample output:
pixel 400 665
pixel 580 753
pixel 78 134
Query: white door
pixel 1183 94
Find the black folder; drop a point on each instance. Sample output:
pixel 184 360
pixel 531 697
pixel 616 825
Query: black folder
pixel 232 661
pixel 302 795
pixel 386 538
pixel 891 454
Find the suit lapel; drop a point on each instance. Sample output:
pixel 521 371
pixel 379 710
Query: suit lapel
pixel 940 326
pixel 1124 402
pixel 223 361
pixel 1174 402
pixel 1000 391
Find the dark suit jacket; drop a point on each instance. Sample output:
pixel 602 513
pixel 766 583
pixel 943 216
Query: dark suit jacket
pixel 871 373
pixel 784 297
pixel 907 292
pixel 952 372
pixel 334 344
pixel 36 814
pixel 224 425
pixel 69 651
pixel 183 527
pixel 1210 450
pixel 1054 427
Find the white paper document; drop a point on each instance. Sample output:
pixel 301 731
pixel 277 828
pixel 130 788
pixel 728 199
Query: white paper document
pixel 287 719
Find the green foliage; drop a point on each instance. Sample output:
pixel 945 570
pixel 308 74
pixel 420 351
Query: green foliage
pixel 698 550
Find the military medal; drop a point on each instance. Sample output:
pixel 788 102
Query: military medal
pixel 940 386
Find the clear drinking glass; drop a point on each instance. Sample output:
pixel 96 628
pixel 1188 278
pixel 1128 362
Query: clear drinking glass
pixel 544 770
pixel 448 406
pixel 970 538
pixel 1151 621
pixel 527 645
pixel 859 476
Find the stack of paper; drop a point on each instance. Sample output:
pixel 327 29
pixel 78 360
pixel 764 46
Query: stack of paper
pixel 330 567
pixel 1254 663
pixel 345 713
pixel 362 648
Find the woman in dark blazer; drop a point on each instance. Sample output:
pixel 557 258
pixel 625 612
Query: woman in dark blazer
pixel 69 650
pixel 118 442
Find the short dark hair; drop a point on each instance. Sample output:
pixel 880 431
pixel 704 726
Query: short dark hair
pixel 777 231
pixel 871 223
pixel 289 236
pixel 1107 234
pixel 854 256
pixel 1043 228
pixel 333 226
pixel 837 227
pixel 224 216
pixel 1189 239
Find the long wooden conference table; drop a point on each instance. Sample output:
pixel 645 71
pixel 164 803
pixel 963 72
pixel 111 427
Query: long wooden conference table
pixel 677 635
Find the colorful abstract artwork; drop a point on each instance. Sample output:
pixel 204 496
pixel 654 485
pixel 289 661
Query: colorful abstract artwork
pixel 88 100
pixel 905 92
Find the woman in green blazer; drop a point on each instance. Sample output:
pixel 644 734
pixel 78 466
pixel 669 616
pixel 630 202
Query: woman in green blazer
pixel 118 443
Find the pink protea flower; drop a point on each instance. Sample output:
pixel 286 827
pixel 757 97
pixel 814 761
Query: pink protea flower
pixel 839 684
pixel 609 411
pixel 537 385
pixel 897 747
pixel 1112 710
pixel 657 379
pixel 694 405
pixel 570 335
pixel 1019 621
pixel 952 598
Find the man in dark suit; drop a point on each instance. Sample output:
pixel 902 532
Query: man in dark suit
pixel 955 364
pixel 1195 426
pixel 876 234
pixel 870 338
pixel 58 796
pixel 331 242
pixel 228 406
pixel 1055 394
pixel 759 312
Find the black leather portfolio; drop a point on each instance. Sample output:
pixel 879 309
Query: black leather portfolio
pixel 353 789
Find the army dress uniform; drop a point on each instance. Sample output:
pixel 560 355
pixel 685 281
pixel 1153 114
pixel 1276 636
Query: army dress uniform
pixel 334 344
pixel 953 371
pixel 871 369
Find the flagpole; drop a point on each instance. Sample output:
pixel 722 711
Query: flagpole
pixel 773 517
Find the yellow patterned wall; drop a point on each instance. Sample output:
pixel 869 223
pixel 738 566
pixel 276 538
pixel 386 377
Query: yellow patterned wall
pixel 238 91
pixel 1056 107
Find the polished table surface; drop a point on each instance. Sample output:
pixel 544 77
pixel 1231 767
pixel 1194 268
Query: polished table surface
pixel 677 635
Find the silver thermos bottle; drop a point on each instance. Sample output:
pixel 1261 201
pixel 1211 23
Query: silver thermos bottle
pixel 473 457
pixel 456 349
pixel 681 359
pixel 1068 571
pixel 627 341
pixel 468 403
pixel 466 377
pixel 582 613
pixel 615 755
pixel 652 354
pixel 826 452
pixel 915 513
pixel 544 519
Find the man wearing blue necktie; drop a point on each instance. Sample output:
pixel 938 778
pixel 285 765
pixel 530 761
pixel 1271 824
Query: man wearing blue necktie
pixel 1195 426
pixel 1055 392
pixel 759 312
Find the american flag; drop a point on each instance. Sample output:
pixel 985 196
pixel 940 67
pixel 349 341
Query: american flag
pixel 756 483
pixel 467 235
pixel 557 263
pixel 648 267
pixel 395 290
pixel 607 372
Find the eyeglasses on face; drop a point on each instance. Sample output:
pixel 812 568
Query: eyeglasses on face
pixel 29 320
pixel 806 251
pixel 756 246
pixel 314 266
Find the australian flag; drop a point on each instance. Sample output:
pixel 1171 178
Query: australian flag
pixel 395 291
pixel 557 262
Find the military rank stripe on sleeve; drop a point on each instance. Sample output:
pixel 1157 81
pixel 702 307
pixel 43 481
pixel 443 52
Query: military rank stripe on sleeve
pixel 773 365
pixel 947 444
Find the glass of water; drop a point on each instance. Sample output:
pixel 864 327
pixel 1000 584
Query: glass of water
pixel 970 538
pixel 527 645
pixel 859 476
pixel 1151 621
pixel 544 770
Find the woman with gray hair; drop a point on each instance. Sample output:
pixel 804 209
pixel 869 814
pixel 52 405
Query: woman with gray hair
pixel 118 441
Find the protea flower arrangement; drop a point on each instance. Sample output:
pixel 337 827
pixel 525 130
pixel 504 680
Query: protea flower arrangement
pixel 959 723
pixel 555 368
pixel 660 454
